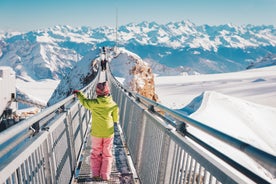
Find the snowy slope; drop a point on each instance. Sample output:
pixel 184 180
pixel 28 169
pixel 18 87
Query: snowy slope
pixel 250 122
pixel 255 85
pixel 79 77
pixel 246 121
pixel 38 92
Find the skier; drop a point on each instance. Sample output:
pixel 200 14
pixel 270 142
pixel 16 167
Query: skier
pixel 105 113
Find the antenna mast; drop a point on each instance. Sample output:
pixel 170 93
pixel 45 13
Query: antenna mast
pixel 116 27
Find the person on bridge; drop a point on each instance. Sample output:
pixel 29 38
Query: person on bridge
pixel 103 64
pixel 105 112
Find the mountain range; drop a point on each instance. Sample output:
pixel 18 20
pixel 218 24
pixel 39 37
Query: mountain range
pixel 171 49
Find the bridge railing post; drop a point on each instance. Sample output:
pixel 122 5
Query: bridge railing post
pixel 163 172
pixel 50 163
pixel 140 141
pixel 70 139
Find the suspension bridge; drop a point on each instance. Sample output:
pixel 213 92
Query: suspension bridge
pixel 152 145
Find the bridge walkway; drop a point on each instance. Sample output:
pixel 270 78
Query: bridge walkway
pixel 122 171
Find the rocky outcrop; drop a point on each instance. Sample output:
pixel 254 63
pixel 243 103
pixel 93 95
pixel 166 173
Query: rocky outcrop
pixel 138 75
pixel 143 81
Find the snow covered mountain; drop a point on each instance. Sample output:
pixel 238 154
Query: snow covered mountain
pixel 183 46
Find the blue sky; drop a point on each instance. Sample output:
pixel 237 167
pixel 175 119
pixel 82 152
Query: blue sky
pixel 27 15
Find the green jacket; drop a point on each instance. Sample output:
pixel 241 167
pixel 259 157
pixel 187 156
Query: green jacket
pixel 105 112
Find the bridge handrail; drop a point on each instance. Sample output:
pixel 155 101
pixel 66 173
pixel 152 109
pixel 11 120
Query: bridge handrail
pixel 17 128
pixel 252 151
pixel 25 124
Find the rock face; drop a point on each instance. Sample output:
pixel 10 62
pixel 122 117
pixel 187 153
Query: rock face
pixel 138 75
pixel 143 81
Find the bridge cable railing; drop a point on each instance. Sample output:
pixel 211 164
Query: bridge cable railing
pixel 131 103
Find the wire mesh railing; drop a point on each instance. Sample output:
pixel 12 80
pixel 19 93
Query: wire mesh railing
pixel 52 154
pixel 163 151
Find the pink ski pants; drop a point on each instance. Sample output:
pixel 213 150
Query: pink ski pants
pixel 101 157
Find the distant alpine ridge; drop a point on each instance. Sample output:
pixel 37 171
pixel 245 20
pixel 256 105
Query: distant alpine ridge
pixel 171 49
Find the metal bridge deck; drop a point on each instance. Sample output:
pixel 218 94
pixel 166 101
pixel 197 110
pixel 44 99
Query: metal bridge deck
pixel 121 170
